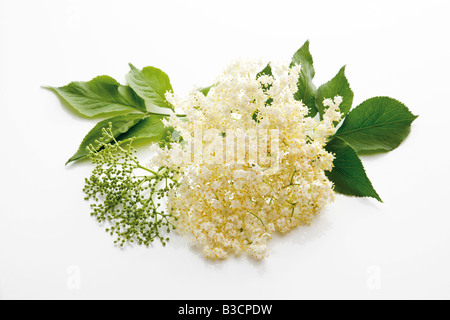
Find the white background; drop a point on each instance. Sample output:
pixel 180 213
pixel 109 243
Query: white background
pixel 51 248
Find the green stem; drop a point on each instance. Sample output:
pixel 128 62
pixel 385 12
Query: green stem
pixel 257 218
pixel 134 160
pixel 292 177
pixel 146 169
pixel 164 114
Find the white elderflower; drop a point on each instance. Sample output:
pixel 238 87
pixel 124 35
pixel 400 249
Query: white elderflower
pixel 252 162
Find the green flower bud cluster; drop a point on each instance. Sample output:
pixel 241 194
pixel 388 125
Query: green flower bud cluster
pixel 126 194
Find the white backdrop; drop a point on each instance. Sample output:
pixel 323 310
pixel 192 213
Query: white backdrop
pixel 51 248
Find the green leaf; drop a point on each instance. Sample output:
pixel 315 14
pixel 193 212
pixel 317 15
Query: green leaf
pixel 151 84
pixel 306 89
pixel 205 90
pixel 120 125
pixel 348 174
pixel 377 124
pixel 151 129
pixel 102 95
pixel 338 86
pixel 267 71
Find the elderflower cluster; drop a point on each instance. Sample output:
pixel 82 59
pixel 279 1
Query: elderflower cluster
pixel 228 200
